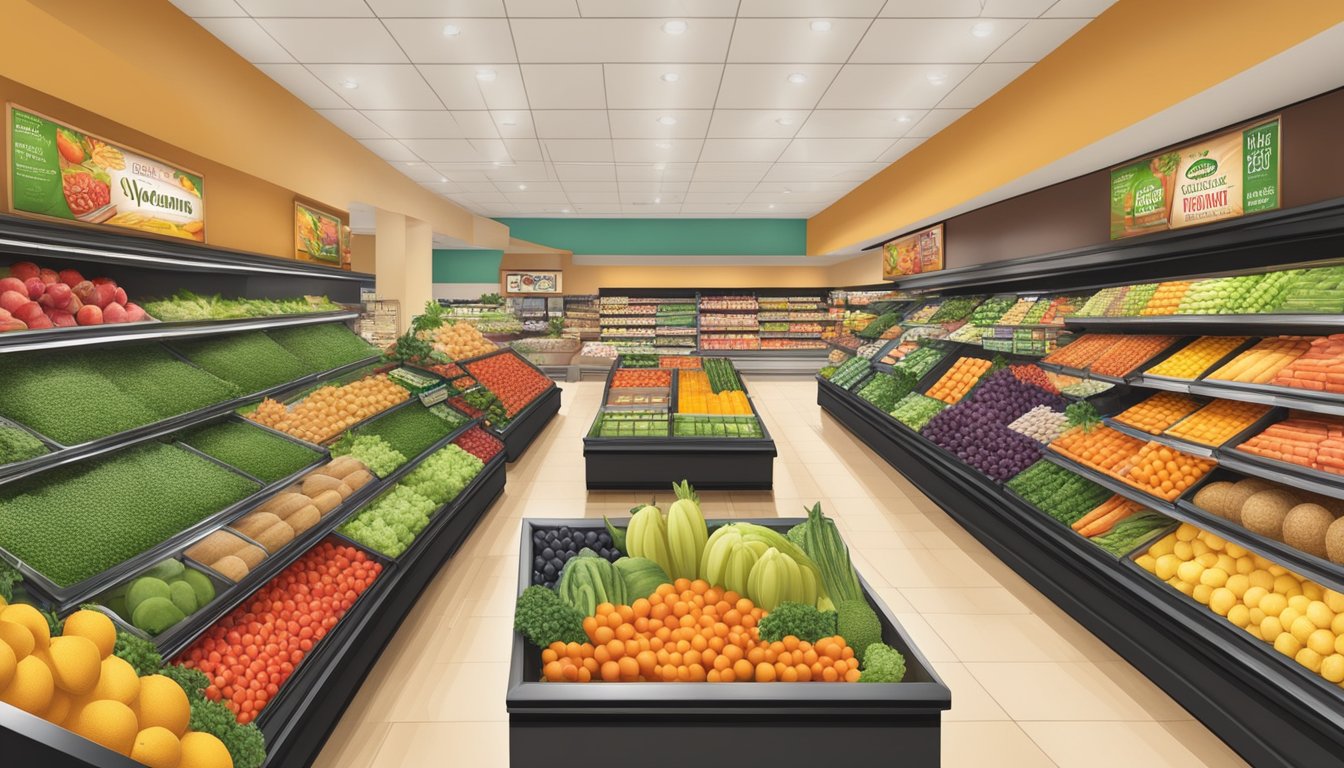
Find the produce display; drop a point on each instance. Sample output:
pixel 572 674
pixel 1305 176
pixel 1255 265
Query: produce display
pixel 914 410
pixel 1158 412
pixel 992 309
pixel 1081 351
pixel 1167 298
pixel 1320 368
pixel 636 378
pixel 17 445
pixel 955 308
pixel 643 424
pixel 688 361
pixel 1042 424
pixel 479 443
pixel 409 430
pixel 883 390
pixel 460 341
pixel 1217 422
pixel 390 524
pixel 161 597
pixel 370 450
pixel 696 394
pixel 1085 388
pixel 326 412
pixel 923 314
pixel 960 379
pixel 1315 290
pixel 1057 492
pixel 457 378
pixel 1298 617
pixel 1127 353
pixel 35 298
pixel 1260 363
pixel 1136 298
pixel 481 403
pixel 1033 375
pixel 261 454
pixel 639 398
pixel 1309 440
pixel 687 425
pixel 1164 472
pixel 881 325
pixel 553 547
pixel 188 306
pixel 1101 448
pixel 977 430
pixel 920 361
pixel 278 626
pixel 323 347
pixel 74 522
pixel 1196 358
pixel 1100 301
pixel 850 372
pixel 1303 520
pixel 510 379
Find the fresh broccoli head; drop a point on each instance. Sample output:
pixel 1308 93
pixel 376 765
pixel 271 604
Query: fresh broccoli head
pixel 193 681
pixel 141 654
pixel 858 624
pixel 882 664
pixel 804 622
pixel 798 535
pixel 544 618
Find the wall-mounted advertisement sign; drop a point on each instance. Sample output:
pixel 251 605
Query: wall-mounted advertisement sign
pixel 1220 178
pixel 317 235
pixel 913 254
pixel 60 172
pixel 531 282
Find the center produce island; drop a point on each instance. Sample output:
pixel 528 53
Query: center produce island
pixel 677 415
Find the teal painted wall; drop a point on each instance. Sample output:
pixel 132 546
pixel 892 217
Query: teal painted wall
pixel 467 266
pixel 658 237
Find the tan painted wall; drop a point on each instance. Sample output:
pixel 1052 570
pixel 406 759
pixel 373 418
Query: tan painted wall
pixel 583 279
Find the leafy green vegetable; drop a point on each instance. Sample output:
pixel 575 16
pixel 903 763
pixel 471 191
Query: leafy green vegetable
pixel 883 390
pixel 246 744
pixel 804 622
pixel 1082 414
pixel 259 453
pixel 392 521
pixel 193 681
pixel 151 375
pixel 17 445
pixel 323 347
pixel 139 653
pixel 442 476
pixel 1057 492
pixel 373 451
pixel 188 306
pixel 252 361
pixel 544 618
pixel 857 622
pixel 9 576
pixel 410 430
pixel 882 664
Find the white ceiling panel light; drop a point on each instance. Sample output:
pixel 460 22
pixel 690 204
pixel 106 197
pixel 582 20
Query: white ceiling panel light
pixel 768 86
pixel 644 86
pixel 675 27
pixel 795 40
pixel 477 40
pixel 378 86
pixel 467 86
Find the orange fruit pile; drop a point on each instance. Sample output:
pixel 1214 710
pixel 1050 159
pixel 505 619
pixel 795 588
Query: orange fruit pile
pixel 1167 298
pixel 1158 412
pixel 1197 357
pixel 1128 353
pixel 1103 448
pixel 1217 422
pixel 694 395
pixel 1165 473
pixel 329 411
pixel 959 379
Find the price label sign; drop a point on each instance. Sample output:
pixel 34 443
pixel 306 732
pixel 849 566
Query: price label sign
pixel 434 396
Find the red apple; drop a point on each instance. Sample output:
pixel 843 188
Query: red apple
pixel 29 312
pixel 120 296
pixel 71 277
pixel 104 295
pixel 74 305
pixel 114 313
pixel 41 322
pixel 4 314
pixel 49 276
pixel 60 295
pixel 35 288
pixel 13 284
pixel 89 314
pixel 136 314
pixel 12 300
pixel 62 319
pixel 12 325
pixel 104 279
pixel 24 270
pixel 86 292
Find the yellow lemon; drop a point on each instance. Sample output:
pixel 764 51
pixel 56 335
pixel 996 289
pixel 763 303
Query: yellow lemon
pixel 201 750
pixel 109 723
pixel 17 637
pixel 117 681
pixel 162 702
pixel 30 617
pixel 60 707
pixel 8 661
pixel 95 626
pixel 157 748
pixel 75 664
pixel 31 688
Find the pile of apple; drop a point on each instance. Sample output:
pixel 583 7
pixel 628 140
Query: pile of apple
pixel 33 299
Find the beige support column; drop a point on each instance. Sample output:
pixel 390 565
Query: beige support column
pixel 404 260
pixel 418 271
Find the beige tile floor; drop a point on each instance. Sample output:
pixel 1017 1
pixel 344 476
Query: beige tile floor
pixel 1030 686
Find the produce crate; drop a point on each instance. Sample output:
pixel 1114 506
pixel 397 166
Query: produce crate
pixel 524 427
pixel 18 467
pixel 782 724
pixel 174 634
pixel 1283 472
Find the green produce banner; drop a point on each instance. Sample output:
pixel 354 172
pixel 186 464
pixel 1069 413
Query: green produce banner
pixel 1220 178
pixel 63 173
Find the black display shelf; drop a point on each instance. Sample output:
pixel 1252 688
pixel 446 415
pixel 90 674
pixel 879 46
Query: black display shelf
pixel 791 725
pixel 121 333
pixel 524 427
pixel 1245 692
pixel 1214 325
pixel 1110 482
pixel 1194 449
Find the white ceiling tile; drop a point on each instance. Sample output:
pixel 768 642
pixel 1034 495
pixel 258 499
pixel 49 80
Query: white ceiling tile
pixel 790 198
pixel 516 172
pixel 591 186
pixel 463 174
pixel 529 197
pixel 511 187
pixel 416 123
pixel 247 39
pixel 487 197
pixel 779 209
pixel 1037 39
pixel 476 187
pixel 592 197
pixel 475 124
pixel 381 86
pixel 935 121
pixel 756 123
pixel 436 8
pixel 716 197
pixel 458 150
pixel 299 81
pixel 1021 8
pixel 391 150
pixel 933 41
pixel 832 188
pixel 793 41
pixel 564 86
pixel 721 187
pixel 521 150
pixel 820 9
pixel 459 86
pixel 892 86
pixel 859 123
pixel 619 39
pixel 519 9
pixel 600 208
pixel 641 86
pixel 441 188
pixel 478 40
pixel 655 171
pixel 513 123
pixel 833 150
pixel 420 172
pixel 731 171
pixel 1085 9
pixel 310 8
pixel 823 171
pixel 585 171
pixel 638 187
pixel 913 9
pixel 742 150
pixel 579 150
pixel 202 8
pixel 984 82
pixel 767 86
pixel 674 9
pixel 644 123
pixel 571 124
pixel 709 208
pixel 354 123
pixel 318 41
pixel 656 150
pixel 899 149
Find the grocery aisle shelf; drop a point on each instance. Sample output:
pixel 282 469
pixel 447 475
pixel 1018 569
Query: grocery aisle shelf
pixel 121 333
pixel 1220 325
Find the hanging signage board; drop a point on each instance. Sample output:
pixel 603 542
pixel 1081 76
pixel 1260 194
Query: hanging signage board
pixel 1220 178
pixel 61 172
pixel 530 282
pixel 318 235
pixel 913 254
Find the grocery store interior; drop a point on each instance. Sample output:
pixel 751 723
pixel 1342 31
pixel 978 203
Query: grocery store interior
pixel 845 382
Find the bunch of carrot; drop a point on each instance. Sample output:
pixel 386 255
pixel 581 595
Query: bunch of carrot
pixel 1316 442
pixel 1320 368
pixel 1105 516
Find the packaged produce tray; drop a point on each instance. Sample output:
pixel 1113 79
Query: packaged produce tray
pixel 783 724
pixel 1284 472
pixel 639 397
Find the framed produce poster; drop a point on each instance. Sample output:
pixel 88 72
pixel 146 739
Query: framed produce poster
pixel 60 172
pixel 318 235
pixel 1224 177
pixel 913 254
pixel 530 282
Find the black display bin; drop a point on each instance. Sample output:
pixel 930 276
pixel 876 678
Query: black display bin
pixel 524 427
pixel 789 725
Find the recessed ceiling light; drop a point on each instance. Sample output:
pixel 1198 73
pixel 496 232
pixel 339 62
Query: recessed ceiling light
pixel 674 27
pixel 821 26
pixel 788 191
pixel 671 77
pixel 451 30
pixel 667 120
pixel 797 77
pixel 903 119
pixel 937 78
pixel 663 145
pixel 351 84
pixel 485 74
pixel 982 29
pixel 411 162
pixel 772 205
pixel 522 187
pixel 510 122
pixel 784 120
pixel 442 180
pixel 657 199
pixel 564 210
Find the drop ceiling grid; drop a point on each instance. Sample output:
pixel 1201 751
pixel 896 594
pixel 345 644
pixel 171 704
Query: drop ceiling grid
pixel 568 119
